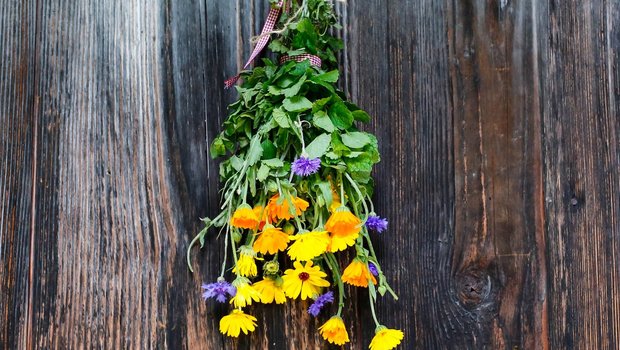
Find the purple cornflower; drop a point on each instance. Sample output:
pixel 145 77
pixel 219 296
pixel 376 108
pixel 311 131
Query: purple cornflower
pixel 218 290
pixel 376 223
pixel 304 166
pixel 373 269
pixel 318 304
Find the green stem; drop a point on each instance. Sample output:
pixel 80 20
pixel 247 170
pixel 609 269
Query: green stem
pixel 359 192
pixel 330 259
pixel 372 310
pixel 342 199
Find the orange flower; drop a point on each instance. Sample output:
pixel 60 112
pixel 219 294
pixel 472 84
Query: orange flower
pixel 334 331
pixel 344 228
pixel 261 213
pixel 358 274
pixel 244 217
pixel 271 241
pixel 279 208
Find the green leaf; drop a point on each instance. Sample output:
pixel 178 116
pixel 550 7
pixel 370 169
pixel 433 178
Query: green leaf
pixel 255 151
pixel 341 116
pixel 281 118
pixel 326 190
pixel 321 120
pixel 298 104
pixel 236 163
pixel 329 77
pixel 355 139
pixel 319 104
pixel 218 148
pixel 262 173
pixel 318 146
pixel 361 116
pixel 269 149
pixel 277 46
pixel 273 163
pixel 293 90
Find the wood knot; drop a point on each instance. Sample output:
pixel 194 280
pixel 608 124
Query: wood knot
pixel 472 287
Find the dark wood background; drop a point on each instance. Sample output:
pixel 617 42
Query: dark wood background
pixel 498 121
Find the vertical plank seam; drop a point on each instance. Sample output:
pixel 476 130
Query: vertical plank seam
pixel 33 194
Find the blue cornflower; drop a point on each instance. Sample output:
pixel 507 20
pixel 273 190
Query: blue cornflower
pixel 219 290
pixel 320 302
pixel 304 166
pixel 373 269
pixel 376 223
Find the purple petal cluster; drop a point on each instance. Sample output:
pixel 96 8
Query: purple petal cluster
pixel 320 302
pixel 219 290
pixel 376 223
pixel 304 166
pixel 373 269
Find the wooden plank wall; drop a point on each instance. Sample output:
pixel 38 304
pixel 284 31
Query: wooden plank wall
pixel 499 125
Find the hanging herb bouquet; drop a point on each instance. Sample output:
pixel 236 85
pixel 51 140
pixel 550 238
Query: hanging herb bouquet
pixel 297 184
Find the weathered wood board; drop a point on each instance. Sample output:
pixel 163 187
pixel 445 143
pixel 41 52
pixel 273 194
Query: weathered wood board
pixel 499 126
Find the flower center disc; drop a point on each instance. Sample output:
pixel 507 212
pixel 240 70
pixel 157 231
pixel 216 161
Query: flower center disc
pixel 304 276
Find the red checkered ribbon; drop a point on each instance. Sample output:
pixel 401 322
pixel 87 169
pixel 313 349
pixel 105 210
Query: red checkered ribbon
pixel 272 18
pixel 314 60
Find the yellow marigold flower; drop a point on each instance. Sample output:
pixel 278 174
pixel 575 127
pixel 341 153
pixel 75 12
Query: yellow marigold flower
pixel 344 228
pixel 306 280
pixel 245 293
pixel 358 274
pixel 308 246
pixel 271 240
pixel 270 290
pixel 334 331
pixel 246 266
pixel 244 217
pixel 386 339
pixel 280 208
pixel 237 321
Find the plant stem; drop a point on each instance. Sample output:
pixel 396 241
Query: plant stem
pixel 330 259
pixel 372 310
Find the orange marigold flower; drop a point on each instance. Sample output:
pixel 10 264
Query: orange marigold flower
pixel 271 240
pixel 279 207
pixel 261 214
pixel 334 331
pixel 244 217
pixel 358 274
pixel 344 228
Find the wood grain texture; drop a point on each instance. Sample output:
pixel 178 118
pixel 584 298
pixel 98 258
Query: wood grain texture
pixel 499 127
pixel 17 67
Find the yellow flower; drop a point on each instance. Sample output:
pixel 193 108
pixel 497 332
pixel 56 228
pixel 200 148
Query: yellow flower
pixel 245 217
pixel 237 321
pixel 270 290
pixel 245 293
pixel 278 208
pixel 386 339
pixel 344 228
pixel 246 266
pixel 271 240
pixel 308 246
pixel 334 331
pixel 358 274
pixel 305 280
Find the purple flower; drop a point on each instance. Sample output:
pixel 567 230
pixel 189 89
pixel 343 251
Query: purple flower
pixel 304 166
pixel 318 304
pixel 373 269
pixel 376 223
pixel 218 290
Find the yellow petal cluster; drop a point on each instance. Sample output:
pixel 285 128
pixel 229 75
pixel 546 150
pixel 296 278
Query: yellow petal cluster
pixel 306 280
pixel 271 241
pixel 334 331
pixel 245 294
pixel 246 266
pixel 270 291
pixel 386 339
pixel 308 246
pixel 236 322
